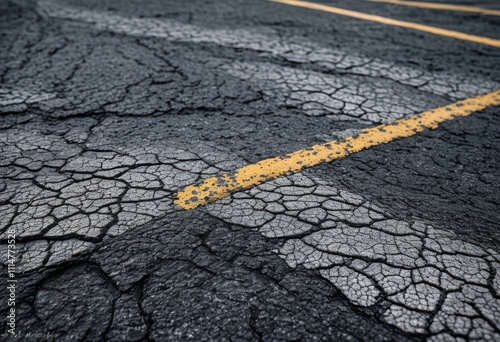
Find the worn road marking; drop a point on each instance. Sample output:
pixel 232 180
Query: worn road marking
pixel 221 186
pixel 441 6
pixel 394 22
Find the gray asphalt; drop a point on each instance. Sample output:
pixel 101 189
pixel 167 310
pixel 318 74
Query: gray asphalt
pixel 108 108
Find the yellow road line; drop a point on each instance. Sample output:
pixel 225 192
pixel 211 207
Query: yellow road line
pixel 394 22
pixel 222 186
pixel 441 6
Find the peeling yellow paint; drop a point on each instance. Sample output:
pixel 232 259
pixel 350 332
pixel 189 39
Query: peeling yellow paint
pixel 393 22
pixel 442 6
pixel 268 169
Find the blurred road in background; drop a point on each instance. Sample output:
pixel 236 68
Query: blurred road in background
pixel 251 170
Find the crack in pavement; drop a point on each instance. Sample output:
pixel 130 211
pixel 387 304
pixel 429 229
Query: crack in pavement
pixel 264 170
pixel 432 282
pixel 292 50
pixel 63 200
pixel 106 116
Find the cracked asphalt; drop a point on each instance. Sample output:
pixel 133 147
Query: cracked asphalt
pixel 109 108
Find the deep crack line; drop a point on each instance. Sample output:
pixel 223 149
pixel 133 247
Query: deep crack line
pixel 254 174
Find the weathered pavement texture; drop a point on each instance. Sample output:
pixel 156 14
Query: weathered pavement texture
pixel 108 108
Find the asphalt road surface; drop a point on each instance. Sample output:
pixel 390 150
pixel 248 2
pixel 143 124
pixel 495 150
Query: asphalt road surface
pixel 110 109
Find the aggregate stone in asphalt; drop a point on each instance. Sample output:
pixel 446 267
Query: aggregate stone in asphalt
pixel 109 108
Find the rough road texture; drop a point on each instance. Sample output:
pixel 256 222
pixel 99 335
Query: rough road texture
pixel 109 108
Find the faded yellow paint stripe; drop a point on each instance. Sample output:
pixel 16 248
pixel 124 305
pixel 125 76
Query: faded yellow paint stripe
pixel 442 6
pixel 268 169
pixel 394 22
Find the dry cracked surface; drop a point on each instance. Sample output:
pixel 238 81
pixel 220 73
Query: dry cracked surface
pixel 108 109
pixel 427 279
